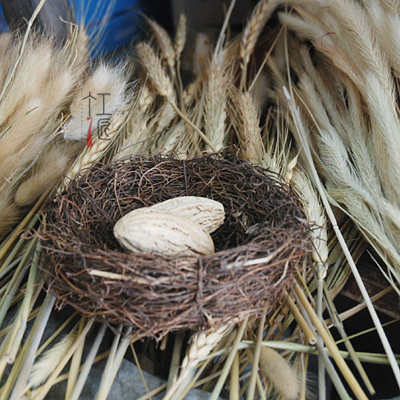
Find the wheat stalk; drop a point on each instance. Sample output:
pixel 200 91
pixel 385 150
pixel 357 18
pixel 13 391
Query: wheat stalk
pixel 202 343
pixel 164 86
pixel 156 72
pixel 216 94
pixel 315 214
pixel 180 37
pixel 138 126
pixel 165 44
pixel 248 130
pixel 252 31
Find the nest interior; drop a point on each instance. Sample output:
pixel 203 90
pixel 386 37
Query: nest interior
pixel 264 239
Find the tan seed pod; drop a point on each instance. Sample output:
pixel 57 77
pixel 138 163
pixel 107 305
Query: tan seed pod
pixel 209 214
pixel 151 230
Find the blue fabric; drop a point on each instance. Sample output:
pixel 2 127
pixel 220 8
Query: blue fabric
pixel 117 25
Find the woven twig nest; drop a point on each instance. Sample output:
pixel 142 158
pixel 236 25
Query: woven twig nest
pixel 258 248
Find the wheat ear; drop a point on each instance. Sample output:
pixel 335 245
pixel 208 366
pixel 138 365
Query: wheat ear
pixel 249 131
pixel 202 344
pixel 164 85
pixel 180 37
pixel 255 25
pixel 217 87
pixel 156 72
pixel 164 42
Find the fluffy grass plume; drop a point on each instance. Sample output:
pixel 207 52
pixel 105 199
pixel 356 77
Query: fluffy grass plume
pixel 33 97
pixel 105 90
pixel 49 361
pixel 280 373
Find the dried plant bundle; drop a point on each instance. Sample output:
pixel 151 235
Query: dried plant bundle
pixel 32 103
pixel 353 122
pixel 339 60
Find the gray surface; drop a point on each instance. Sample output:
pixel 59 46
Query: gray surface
pixel 127 386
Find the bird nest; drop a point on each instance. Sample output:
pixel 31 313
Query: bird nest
pixel 262 242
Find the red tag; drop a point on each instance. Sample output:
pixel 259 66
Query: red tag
pixel 89 136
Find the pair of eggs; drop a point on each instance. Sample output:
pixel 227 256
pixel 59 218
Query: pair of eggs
pixel 179 226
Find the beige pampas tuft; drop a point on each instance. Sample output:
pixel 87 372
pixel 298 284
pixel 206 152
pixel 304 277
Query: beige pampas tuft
pixel 30 100
pixel 50 167
pixel 280 373
pixel 104 90
pixel 50 360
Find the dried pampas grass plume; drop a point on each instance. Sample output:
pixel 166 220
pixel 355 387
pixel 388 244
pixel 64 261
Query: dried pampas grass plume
pixel 52 164
pixel 202 53
pixel 280 373
pixel 81 49
pixel 34 96
pixel 50 360
pixel 105 91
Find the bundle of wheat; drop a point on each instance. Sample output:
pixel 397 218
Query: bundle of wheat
pixel 236 97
